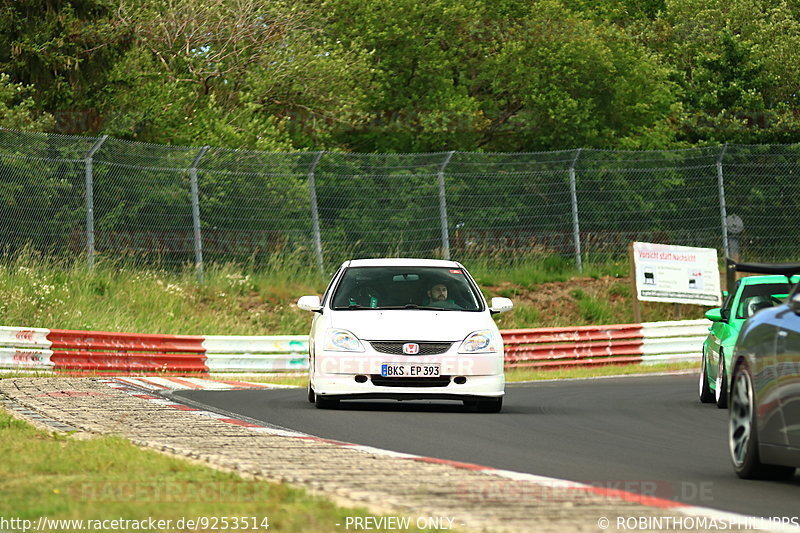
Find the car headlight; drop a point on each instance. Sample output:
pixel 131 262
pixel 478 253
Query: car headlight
pixel 341 340
pixel 483 341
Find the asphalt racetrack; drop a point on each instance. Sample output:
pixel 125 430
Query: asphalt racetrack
pixel 641 434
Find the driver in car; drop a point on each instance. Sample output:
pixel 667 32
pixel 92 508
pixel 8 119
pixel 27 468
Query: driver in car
pixel 437 297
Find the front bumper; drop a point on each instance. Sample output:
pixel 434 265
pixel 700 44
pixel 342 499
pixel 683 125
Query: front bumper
pixel 461 376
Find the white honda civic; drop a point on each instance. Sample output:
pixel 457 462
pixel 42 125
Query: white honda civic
pixel 405 329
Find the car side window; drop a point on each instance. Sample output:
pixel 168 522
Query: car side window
pixel 755 297
pixel 750 306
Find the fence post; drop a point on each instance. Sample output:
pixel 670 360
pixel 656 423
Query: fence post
pixel 443 208
pixel 722 209
pixel 198 237
pixel 312 191
pixel 576 228
pixel 90 200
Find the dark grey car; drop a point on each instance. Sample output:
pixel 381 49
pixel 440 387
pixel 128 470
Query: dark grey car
pixel 764 412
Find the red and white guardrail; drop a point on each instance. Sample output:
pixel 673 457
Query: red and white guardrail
pixel 98 351
pixel 649 342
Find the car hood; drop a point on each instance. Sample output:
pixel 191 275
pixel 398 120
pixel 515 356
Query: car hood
pixel 411 324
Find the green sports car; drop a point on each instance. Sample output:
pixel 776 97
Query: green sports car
pixel 750 295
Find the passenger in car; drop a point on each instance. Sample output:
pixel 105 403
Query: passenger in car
pixel 364 296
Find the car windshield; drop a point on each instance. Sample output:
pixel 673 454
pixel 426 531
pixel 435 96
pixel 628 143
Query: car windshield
pixel 761 296
pixel 390 287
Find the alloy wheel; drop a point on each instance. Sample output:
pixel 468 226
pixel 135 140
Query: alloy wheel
pixel 740 421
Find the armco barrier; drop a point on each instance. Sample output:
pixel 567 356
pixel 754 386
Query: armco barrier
pixel 102 352
pixel 256 354
pixel 43 349
pixel 25 348
pixel 603 345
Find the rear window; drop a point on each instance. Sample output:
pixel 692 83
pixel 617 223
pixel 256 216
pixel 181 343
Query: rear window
pixel 406 288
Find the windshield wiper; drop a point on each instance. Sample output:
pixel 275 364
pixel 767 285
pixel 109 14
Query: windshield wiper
pixel 351 306
pixel 415 306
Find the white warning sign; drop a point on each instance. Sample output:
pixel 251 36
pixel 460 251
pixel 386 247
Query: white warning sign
pixel 677 274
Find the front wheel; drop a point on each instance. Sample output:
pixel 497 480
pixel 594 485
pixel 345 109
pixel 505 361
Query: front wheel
pixel 743 431
pixel 721 388
pixel 310 393
pixel 485 405
pixel 321 402
pixel 706 396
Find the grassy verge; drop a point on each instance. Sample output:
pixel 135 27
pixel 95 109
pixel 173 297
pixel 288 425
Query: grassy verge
pixel 41 292
pixel 63 478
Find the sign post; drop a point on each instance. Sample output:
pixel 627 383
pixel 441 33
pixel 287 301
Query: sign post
pixel 637 309
pixel 674 274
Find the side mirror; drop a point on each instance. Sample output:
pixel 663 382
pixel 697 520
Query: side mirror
pixel 501 305
pixel 714 315
pixel 309 303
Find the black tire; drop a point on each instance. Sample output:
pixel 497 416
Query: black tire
pixel 493 405
pixel 485 405
pixel 310 393
pixel 743 431
pixel 325 403
pixel 721 389
pixel 706 396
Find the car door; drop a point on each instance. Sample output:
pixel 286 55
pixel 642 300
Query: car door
pixel 721 330
pixel 787 352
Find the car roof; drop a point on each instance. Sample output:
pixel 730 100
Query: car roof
pixel 757 280
pixel 401 262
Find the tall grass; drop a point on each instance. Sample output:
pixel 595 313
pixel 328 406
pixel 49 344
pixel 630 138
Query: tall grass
pixel 37 291
pixel 530 270
pixel 120 295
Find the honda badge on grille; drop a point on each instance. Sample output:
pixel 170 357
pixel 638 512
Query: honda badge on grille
pixel 411 348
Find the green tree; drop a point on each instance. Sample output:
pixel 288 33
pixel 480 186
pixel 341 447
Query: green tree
pixel 739 65
pixel 62 48
pixel 558 80
pixel 238 73
pixel 421 57
pixel 504 76
pixel 17 108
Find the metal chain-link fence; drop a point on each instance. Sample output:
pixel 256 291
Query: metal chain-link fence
pixel 91 197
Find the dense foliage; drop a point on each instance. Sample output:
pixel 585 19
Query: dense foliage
pixel 405 76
